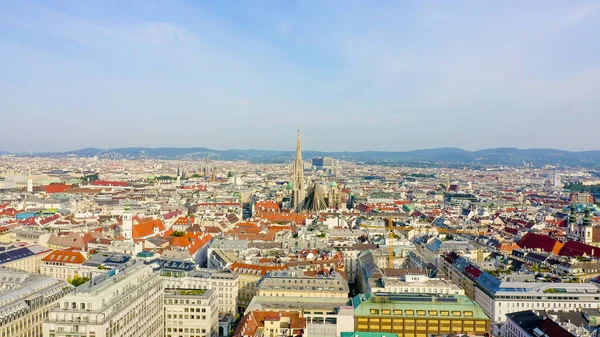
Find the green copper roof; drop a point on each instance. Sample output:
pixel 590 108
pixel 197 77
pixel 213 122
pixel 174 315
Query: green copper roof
pixel 363 304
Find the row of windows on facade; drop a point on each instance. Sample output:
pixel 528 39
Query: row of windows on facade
pixel 553 304
pixel 186 330
pixel 301 281
pixel 176 301
pixel 169 316
pixel 421 312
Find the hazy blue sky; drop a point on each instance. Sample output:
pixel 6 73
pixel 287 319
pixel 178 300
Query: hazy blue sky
pixel 356 75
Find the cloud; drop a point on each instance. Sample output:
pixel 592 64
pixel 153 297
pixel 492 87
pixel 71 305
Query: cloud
pixel 285 26
pixel 580 13
pixel 165 33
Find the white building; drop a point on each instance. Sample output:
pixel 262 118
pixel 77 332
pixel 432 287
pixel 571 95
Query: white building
pixel 127 301
pixel 414 283
pixel 500 298
pixel 191 313
pixel 225 285
pixel 64 265
pixel 25 300
pixel 24 257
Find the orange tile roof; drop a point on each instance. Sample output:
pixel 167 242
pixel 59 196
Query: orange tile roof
pixel 282 217
pixel 65 256
pixel 251 322
pixel 267 205
pixel 146 228
pixel 184 220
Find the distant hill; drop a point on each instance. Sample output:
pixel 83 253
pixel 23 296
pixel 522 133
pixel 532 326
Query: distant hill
pixel 440 156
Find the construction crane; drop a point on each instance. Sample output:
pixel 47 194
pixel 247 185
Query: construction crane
pixel 391 244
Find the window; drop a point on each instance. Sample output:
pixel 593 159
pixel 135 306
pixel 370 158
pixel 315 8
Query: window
pixel 374 311
pixel 386 311
pixel 444 313
pixel 456 313
pixel 397 312
pixel 468 313
pixel 433 312
pixel 409 312
pixel 421 312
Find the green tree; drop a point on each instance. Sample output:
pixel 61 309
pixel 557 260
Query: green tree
pixel 77 280
pixel 90 177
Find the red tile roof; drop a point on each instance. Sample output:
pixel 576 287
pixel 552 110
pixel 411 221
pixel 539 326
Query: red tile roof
pixel 110 183
pixel 537 241
pixel 574 249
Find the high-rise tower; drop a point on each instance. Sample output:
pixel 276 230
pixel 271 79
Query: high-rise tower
pixel 298 193
pixel 29 182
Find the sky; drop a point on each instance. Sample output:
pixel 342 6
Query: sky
pixel 355 75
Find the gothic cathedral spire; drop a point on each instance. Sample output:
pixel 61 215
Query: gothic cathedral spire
pixel 298 193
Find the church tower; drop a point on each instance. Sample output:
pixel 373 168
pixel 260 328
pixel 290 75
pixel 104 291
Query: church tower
pixel 127 228
pixel 298 193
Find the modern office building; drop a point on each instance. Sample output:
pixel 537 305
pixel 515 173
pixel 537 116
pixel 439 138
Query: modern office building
pixel 126 301
pixel 25 301
pixel 419 315
pixel 191 313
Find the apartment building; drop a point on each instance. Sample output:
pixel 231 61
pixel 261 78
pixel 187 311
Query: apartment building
pixel 303 284
pixel 325 317
pixel 191 313
pixel 249 276
pixel 63 265
pixel 26 257
pixel 224 283
pixel 126 301
pixel 498 298
pixel 25 301
pixel 269 324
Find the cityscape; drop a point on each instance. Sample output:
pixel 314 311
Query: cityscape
pixel 297 168
pixel 312 247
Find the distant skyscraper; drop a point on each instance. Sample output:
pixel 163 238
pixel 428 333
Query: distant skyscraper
pixel 557 180
pixel 298 193
pixel 29 182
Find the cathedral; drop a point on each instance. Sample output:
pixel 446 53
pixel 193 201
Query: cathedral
pixel 318 196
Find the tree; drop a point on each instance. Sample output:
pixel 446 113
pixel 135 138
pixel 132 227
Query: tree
pixel 90 177
pixel 178 234
pixel 77 281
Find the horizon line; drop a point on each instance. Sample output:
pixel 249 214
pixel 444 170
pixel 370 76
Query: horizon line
pixel 255 149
